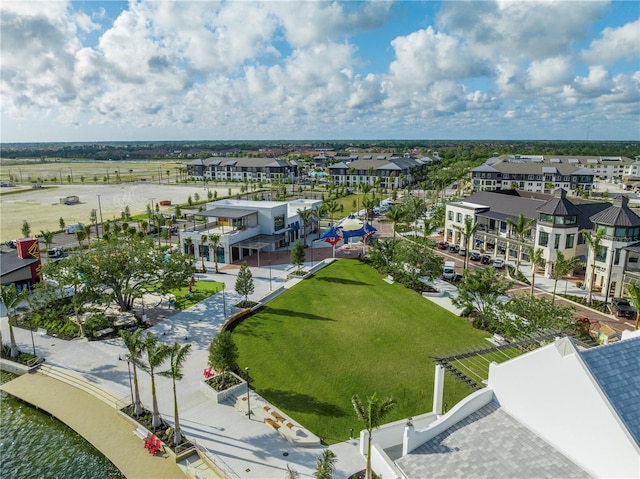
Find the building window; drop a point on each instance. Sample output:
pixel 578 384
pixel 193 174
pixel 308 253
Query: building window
pixel 458 217
pixel 556 242
pixel 278 222
pixel 450 215
pixel 543 239
pixel 570 240
pixel 602 256
pixel 616 258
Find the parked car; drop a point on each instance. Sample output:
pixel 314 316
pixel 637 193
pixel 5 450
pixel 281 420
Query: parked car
pixel 498 263
pixel 443 245
pixel 454 248
pixel 11 244
pixel 474 255
pixel 462 252
pixel 55 253
pixel 622 308
pixel 485 259
pixel 449 270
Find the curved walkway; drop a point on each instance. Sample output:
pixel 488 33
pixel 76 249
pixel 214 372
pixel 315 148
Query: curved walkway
pixel 97 422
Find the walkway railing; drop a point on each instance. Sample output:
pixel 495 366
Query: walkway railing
pixel 216 460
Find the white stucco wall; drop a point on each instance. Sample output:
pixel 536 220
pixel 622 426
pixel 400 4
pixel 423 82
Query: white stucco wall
pixel 551 392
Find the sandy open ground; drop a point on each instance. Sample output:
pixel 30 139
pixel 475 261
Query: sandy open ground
pixel 42 208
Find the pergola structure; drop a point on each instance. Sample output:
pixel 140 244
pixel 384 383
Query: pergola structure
pixel 257 243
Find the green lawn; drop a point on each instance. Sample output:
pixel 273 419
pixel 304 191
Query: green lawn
pixel 201 291
pixel 346 331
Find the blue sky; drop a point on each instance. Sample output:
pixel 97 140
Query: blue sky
pixel 198 70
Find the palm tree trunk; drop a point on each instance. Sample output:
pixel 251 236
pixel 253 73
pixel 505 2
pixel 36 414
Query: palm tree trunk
pixel 137 405
pixel 533 278
pixel 591 280
pixel 176 427
pixel 12 338
pixel 156 422
pixel 553 296
pixel 368 471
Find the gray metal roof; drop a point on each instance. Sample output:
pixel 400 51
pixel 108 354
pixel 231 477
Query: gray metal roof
pixel 488 443
pixel 560 206
pixel 225 213
pixel 10 262
pixel 484 168
pixel 617 215
pixel 510 205
pixel 616 368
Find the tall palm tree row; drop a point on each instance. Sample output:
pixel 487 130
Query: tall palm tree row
pixel 135 346
pixel 306 216
pixel 395 214
pixel 371 414
pixel 214 241
pixel 177 355
pixel 156 353
pixel 520 227
pixel 593 240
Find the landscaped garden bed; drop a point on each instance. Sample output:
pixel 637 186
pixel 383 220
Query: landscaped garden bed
pixel 222 386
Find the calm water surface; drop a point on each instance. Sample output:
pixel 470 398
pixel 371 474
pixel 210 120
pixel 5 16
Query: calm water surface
pixel 35 445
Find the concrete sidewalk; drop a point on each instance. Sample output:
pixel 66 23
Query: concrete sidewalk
pixel 241 447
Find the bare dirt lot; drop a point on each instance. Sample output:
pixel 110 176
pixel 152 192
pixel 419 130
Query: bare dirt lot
pixel 43 210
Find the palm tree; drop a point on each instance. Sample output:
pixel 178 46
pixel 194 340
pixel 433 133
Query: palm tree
pixel 562 267
pixel 177 356
pixel 156 354
pixel 214 241
pixel 47 237
pixel 203 242
pixel 87 230
pixel 371 415
pixel 633 290
pixel 593 241
pixel 135 345
pixel 188 242
pixel 144 227
pixel 395 215
pixel 520 227
pixel 306 216
pixel 10 297
pixel 326 465
pixel 168 223
pixel 535 255
pixel 368 204
pixel 468 231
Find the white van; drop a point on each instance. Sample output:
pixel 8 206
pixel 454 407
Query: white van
pixel 71 229
pixel 449 270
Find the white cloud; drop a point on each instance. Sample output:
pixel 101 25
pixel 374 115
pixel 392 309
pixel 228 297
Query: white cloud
pixel 616 43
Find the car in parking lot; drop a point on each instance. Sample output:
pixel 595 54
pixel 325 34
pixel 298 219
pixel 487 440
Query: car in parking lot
pixel 55 253
pixel 454 248
pixel 443 245
pixel 498 263
pixel 485 259
pixel 622 308
pixel 462 252
pixel 474 255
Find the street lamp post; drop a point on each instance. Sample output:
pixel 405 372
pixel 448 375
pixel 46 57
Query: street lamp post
pixel 248 396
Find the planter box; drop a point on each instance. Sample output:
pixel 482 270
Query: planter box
pixel 220 396
pixel 432 294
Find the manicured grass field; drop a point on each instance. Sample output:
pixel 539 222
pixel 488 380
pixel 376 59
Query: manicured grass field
pixel 201 291
pixel 346 331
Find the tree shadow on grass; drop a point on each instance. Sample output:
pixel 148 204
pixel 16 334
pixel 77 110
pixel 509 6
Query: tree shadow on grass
pixel 295 314
pixel 331 279
pixel 303 403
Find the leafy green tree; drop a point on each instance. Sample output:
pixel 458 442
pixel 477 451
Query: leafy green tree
pixel 298 256
pixel 538 314
pixel 326 465
pixel 371 414
pixel 214 241
pixel 395 215
pixel 562 267
pixel 80 236
pixel 479 289
pixel 593 241
pixel 61 223
pixel 11 298
pixel 244 283
pixel 223 352
pixel 177 356
pixel 520 227
pixel 135 345
pixel 535 256
pixel 468 231
pixel 26 229
pixel 382 253
pixel 47 237
pixel 633 291
pixel 415 260
pixel 123 269
pixel 156 353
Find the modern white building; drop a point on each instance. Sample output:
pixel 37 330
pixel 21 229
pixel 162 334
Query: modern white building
pixel 555 412
pixel 245 228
